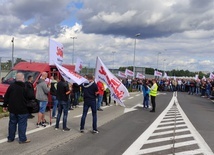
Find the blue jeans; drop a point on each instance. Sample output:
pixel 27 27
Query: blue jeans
pixel 99 100
pixel 21 120
pixel 146 101
pixel 86 106
pixel 55 103
pixel 191 90
pixel 42 105
pixel 76 98
pixel 63 106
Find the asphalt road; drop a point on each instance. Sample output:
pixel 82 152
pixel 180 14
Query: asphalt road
pixel 119 128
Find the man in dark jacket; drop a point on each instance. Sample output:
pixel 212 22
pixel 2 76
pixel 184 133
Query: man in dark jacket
pixel 16 101
pixel 90 91
pixel 30 91
pixel 63 99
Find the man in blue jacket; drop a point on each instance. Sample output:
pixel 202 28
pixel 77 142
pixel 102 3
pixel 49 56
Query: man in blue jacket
pixel 90 92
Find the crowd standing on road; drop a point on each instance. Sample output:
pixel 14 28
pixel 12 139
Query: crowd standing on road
pixel 65 96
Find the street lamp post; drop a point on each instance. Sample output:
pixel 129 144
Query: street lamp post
pixel 137 35
pixel 164 65
pixel 12 61
pixel 73 49
pixel 158 59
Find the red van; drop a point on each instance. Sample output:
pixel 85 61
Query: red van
pixel 29 68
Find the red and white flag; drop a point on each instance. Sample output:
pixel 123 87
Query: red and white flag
pixel 140 76
pixel 157 73
pixel 70 76
pixel 129 73
pixel 211 75
pixel 118 90
pixel 55 52
pixel 121 74
pixel 78 66
pixel 166 76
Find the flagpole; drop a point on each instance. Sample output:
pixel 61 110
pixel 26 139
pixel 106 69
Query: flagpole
pixel 96 67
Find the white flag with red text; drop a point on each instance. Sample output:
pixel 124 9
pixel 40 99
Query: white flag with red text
pixel 121 74
pixel 211 75
pixel 166 76
pixel 129 73
pixel 70 76
pixel 140 76
pixel 157 73
pixel 118 90
pixel 78 66
pixel 55 52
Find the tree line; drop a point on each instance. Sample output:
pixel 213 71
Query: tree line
pixel 150 71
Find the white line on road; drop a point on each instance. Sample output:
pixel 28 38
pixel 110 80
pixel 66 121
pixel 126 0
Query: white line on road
pixel 150 141
pixel 135 147
pixel 169 132
pixel 201 142
pixel 171 126
pixel 130 98
pixel 165 147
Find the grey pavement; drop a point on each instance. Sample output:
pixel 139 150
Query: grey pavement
pixel 46 138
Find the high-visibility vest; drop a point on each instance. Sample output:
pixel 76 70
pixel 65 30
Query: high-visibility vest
pixel 154 91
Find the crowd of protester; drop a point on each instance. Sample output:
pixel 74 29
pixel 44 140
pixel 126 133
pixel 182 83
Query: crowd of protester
pixel 201 87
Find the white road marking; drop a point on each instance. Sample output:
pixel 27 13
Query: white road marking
pixel 192 152
pixel 132 108
pixel 171 126
pixel 165 147
pixel 169 132
pixel 137 147
pixel 130 98
pixel 42 128
pixel 31 131
pixel 167 138
pixel 201 142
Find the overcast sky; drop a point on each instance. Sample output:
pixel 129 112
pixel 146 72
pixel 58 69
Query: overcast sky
pixel 174 34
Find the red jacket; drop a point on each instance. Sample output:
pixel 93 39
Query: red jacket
pixel 100 87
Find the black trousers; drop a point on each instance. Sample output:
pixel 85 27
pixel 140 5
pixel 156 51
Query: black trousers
pixel 153 102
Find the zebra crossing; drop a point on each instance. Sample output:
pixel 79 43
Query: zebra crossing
pixel 171 134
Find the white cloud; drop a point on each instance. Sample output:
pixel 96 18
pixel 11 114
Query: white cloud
pixel 182 31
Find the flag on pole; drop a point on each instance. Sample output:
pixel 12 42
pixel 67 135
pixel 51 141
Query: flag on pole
pixel 55 52
pixel 166 76
pixel 121 74
pixel 157 73
pixel 70 76
pixel 140 76
pixel 118 90
pixel 129 73
pixel 211 75
pixel 78 66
